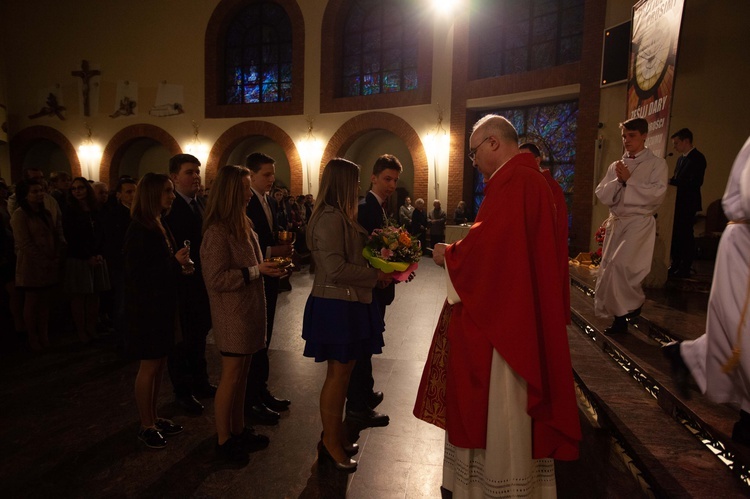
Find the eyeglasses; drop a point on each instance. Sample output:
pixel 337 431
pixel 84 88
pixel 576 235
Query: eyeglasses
pixel 473 152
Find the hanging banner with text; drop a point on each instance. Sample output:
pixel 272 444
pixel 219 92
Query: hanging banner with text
pixel 653 51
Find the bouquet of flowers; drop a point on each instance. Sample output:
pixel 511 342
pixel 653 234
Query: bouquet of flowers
pixel 393 250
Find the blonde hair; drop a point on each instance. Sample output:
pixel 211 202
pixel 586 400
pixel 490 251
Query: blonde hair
pixel 339 188
pixel 226 205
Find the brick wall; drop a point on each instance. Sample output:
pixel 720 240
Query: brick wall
pixel 366 122
pixel 230 139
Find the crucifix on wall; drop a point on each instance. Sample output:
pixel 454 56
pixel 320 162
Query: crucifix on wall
pixel 86 74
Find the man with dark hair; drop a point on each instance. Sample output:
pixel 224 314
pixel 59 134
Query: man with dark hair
pixel 633 188
pixel 60 182
pixel 117 220
pixel 361 399
pixel 561 222
pixel 688 178
pixel 264 406
pixel 187 361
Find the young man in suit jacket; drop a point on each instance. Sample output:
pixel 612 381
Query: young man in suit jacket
pixel 264 407
pixel 688 178
pixel 187 361
pixel 361 399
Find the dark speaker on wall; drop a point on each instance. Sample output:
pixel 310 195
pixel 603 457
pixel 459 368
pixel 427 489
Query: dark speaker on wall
pixel 615 56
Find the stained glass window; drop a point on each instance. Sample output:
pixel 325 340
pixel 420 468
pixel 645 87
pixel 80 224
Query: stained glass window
pixel 258 55
pixel 379 48
pixel 515 36
pixel 552 127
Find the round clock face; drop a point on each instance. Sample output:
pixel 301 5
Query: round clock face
pixel 651 61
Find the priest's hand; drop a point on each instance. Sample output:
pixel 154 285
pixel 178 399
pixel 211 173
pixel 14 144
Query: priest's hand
pixel 438 254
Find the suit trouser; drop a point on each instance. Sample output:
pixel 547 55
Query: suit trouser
pixel 361 382
pixel 257 378
pixel 683 240
pixel 187 361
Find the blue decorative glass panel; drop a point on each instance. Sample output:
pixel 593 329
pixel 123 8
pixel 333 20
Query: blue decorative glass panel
pixel 258 49
pixel 351 86
pixel 371 84
pixel 380 41
pixel 410 79
pixel 391 81
pixel 285 92
pixel 271 74
pixel 511 36
pixel 252 94
pixel 552 127
pixel 286 73
pixel 250 75
pixel 270 92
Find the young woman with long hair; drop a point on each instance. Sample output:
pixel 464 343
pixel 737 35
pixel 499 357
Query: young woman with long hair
pixel 341 322
pixel 86 273
pixel 152 269
pixel 232 265
pixel 39 246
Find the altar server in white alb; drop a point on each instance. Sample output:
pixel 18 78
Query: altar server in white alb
pixel 719 361
pixel 633 188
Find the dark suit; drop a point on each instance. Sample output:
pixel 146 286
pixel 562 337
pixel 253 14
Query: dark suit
pixel 187 362
pixel 259 368
pixel 370 215
pixel 688 178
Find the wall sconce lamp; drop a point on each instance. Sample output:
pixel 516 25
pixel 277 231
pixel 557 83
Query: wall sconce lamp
pixel 90 155
pixel 437 144
pixel 310 151
pixel 196 147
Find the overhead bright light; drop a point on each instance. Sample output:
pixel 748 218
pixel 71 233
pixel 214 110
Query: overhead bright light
pixel 445 7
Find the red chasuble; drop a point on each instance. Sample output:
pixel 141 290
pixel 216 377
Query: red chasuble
pixel 506 272
pixel 561 224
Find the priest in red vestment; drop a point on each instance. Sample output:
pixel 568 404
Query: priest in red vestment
pixel 507 322
pixel 561 223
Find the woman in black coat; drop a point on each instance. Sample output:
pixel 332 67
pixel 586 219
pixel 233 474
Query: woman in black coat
pixel 152 269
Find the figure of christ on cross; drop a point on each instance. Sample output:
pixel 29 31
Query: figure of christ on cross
pixel 85 74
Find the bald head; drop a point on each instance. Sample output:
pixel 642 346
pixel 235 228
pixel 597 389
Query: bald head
pixel 493 142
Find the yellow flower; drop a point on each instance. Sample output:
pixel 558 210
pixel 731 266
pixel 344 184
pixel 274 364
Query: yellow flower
pixel 394 245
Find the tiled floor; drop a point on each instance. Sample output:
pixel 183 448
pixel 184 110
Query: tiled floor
pixel 68 420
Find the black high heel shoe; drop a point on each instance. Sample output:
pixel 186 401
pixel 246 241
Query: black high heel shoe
pixel 349 467
pixel 351 449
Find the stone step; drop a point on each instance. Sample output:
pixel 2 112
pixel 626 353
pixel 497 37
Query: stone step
pixel 634 359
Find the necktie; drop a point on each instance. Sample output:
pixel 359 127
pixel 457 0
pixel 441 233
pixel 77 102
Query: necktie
pixel 267 209
pixel 194 206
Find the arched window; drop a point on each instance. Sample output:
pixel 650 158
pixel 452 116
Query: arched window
pixel 379 48
pixel 258 55
pixel 255 59
pixel 552 127
pixel 514 36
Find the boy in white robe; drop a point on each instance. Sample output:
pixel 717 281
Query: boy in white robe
pixel 633 188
